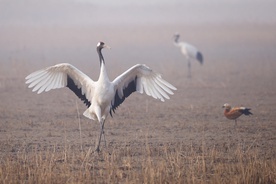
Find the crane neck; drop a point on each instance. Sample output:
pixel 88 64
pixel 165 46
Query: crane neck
pixel 103 72
pixel 99 50
pixel 176 41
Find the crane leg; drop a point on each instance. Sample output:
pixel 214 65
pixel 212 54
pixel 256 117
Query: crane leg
pixel 100 137
pixel 103 133
pixel 189 69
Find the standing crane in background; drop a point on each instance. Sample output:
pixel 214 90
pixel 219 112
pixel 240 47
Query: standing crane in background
pixel 101 97
pixel 189 51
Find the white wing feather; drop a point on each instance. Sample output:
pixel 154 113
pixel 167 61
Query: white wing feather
pixel 147 80
pixel 56 77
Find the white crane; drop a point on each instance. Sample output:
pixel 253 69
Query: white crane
pixel 188 50
pixel 102 97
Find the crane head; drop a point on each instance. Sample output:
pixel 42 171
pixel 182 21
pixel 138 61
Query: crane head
pixel 176 35
pixel 102 45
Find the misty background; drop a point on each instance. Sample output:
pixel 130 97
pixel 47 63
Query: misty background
pixel 41 33
pixel 108 12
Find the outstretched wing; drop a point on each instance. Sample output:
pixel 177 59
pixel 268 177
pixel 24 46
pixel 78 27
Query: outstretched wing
pixel 59 76
pixel 140 78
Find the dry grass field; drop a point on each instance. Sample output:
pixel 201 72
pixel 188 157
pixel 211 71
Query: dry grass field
pixel 45 139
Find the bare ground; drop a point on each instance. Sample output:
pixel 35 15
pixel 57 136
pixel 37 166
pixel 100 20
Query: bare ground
pixel 239 69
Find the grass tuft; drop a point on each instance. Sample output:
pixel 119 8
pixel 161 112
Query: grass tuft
pixel 150 164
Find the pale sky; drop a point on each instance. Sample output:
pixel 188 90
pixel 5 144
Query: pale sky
pixel 136 12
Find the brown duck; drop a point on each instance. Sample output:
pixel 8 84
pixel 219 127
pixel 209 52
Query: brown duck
pixel 235 112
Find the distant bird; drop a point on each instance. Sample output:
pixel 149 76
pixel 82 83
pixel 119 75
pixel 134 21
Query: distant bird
pixel 235 112
pixel 102 97
pixel 188 50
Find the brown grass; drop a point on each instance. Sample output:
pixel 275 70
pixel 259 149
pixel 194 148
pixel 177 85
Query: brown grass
pixel 150 164
pixel 189 140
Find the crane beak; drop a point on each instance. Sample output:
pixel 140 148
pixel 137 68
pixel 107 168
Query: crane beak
pixel 106 46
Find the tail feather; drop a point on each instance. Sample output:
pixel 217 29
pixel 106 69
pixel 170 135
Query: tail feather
pixel 88 114
pixel 247 112
pixel 199 57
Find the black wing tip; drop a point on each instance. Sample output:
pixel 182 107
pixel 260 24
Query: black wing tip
pixel 247 112
pixel 72 86
pixel 199 57
pixel 116 104
pixel 112 110
pixel 126 92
